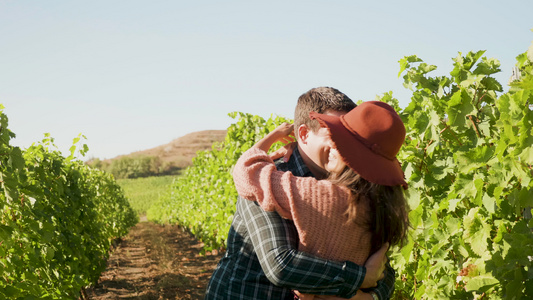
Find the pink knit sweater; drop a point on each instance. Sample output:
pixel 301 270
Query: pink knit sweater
pixel 317 207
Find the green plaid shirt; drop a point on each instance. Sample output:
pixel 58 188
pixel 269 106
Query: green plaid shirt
pixel 262 260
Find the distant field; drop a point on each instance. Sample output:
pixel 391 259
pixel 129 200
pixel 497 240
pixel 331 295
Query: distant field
pixel 142 192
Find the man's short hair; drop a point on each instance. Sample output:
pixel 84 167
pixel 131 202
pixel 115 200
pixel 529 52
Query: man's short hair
pixel 320 100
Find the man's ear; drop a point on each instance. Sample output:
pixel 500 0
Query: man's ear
pixel 303 132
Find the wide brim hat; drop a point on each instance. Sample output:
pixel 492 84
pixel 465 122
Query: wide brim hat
pixel 368 139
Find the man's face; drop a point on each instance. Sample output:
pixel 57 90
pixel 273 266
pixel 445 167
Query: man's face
pixel 319 144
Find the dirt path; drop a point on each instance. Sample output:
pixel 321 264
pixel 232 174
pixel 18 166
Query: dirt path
pixel 156 262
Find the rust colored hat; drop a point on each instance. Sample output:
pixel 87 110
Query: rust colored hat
pixel 368 139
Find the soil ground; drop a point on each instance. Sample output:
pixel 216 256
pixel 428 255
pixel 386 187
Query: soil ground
pixel 156 262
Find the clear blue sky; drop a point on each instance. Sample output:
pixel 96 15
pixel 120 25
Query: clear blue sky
pixel 132 75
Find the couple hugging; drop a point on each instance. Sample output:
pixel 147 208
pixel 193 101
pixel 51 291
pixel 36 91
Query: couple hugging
pixel 317 222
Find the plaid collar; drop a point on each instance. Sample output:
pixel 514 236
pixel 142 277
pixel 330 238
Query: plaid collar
pixel 300 168
pixel 295 165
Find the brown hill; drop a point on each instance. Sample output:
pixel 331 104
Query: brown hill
pixel 181 151
pixel 178 153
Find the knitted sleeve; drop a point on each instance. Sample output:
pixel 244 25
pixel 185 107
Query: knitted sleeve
pixel 257 179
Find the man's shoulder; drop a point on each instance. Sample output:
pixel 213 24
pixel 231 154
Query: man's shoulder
pixel 251 212
pixel 295 165
pixel 281 165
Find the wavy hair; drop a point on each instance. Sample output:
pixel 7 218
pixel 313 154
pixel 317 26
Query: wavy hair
pixel 384 208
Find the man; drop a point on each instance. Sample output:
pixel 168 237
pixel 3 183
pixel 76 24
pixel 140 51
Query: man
pixel 262 260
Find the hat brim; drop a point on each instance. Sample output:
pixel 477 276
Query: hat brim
pixel 365 162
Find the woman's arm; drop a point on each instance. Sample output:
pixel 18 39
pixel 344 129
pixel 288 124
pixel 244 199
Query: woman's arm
pixel 257 179
pixel 283 133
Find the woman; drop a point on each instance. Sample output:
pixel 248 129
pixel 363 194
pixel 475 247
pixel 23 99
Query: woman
pixel 360 206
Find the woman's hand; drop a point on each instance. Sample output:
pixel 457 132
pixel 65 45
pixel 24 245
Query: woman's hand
pixel 285 152
pixel 283 133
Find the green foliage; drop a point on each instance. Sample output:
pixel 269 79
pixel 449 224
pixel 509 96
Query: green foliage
pixel 134 167
pixel 525 68
pixel 128 167
pixel 203 198
pixel 143 192
pixel 467 158
pixel 57 220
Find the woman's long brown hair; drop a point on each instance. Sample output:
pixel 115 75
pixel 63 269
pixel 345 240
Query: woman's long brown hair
pixel 385 210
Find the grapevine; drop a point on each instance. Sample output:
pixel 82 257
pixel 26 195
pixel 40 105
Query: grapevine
pixel 468 161
pixel 58 218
